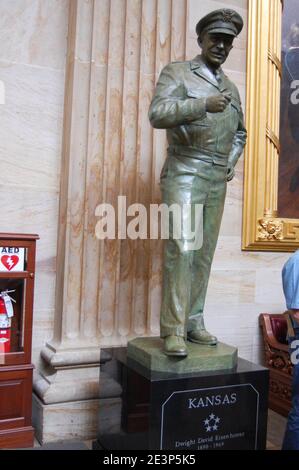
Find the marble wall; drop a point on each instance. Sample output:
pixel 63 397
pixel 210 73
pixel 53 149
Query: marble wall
pixel 33 37
pixel 137 38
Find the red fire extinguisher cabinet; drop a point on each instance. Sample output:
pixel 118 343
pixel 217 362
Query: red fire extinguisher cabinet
pixel 17 275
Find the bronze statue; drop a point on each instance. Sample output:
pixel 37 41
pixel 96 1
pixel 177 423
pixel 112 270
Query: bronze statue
pixel 201 110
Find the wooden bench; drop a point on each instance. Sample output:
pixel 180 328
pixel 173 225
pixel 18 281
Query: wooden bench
pixel 277 359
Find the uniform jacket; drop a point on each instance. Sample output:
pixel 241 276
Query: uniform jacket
pixel 178 105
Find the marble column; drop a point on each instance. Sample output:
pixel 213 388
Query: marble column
pixel 66 387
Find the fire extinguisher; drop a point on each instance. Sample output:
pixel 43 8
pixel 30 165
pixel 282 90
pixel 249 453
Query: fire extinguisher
pixel 6 314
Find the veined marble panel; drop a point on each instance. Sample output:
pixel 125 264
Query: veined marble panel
pixel 31 125
pixel 269 286
pixel 231 286
pixel 228 255
pixel 45 288
pixel 232 216
pixel 32 60
pixel 31 210
pixel 34 32
pixel 237 324
pixel 75 420
pixel 43 321
pixel 200 9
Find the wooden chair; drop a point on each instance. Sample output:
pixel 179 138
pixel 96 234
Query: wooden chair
pixel 277 359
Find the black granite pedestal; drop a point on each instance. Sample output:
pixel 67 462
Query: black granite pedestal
pixel 216 410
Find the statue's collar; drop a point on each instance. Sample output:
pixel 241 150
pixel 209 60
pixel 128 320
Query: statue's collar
pixel 198 66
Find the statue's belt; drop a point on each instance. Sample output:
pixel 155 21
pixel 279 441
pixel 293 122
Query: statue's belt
pixel 199 154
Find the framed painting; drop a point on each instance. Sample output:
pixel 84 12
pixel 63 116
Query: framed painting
pixel 271 174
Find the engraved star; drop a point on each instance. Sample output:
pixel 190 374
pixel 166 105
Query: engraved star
pixel 208 428
pixel 212 416
pixel 217 420
pixel 215 427
pixel 206 422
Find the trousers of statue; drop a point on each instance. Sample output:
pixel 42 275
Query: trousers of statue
pixel 190 182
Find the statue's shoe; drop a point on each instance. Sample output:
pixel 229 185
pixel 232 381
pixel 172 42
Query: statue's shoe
pixel 175 346
pixel 202 336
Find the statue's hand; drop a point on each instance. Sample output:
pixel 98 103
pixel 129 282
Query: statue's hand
pixel 217 103
pixel 230 172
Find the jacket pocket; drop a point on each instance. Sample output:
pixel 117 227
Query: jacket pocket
pixel 194 93
pixel 205 122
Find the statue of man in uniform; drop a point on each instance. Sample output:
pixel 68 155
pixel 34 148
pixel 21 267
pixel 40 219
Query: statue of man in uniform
pixel 201 110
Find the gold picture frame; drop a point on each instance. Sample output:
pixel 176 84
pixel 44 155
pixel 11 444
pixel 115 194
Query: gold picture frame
pixel 262 229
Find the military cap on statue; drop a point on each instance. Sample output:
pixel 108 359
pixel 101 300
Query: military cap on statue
pixel 220 21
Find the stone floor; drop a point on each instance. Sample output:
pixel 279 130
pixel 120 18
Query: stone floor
pixel 276 428
pixel 64 445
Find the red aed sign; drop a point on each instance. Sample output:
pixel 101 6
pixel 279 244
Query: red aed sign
pixel 11 258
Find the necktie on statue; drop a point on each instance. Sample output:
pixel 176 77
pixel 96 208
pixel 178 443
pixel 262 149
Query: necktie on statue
pixel 218 76
pixel 220 81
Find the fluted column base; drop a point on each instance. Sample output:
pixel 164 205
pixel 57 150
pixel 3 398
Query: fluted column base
pixel 68 393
